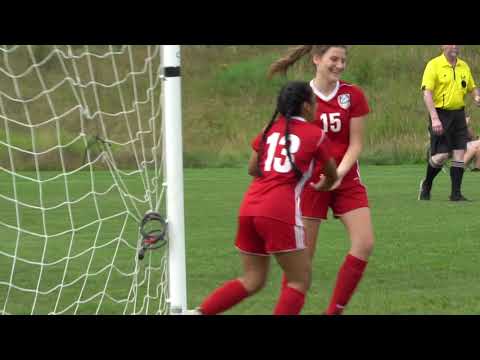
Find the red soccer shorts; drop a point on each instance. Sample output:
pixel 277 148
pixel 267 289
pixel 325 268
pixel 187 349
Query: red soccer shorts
pixel 351 195
pixel 264 236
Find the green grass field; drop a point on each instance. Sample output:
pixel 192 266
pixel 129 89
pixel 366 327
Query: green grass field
pixel 425 261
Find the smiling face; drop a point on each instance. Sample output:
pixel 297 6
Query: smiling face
pixel 331 64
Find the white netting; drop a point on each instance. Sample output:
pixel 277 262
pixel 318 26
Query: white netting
pixel 80 165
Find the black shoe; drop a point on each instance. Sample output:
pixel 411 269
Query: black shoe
pixel 424 191
pixel 475 169
pixel 458 197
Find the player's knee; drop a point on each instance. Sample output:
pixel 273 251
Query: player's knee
pixel 307 282
pixel 302 280
pixel 439 160
pixel 254 282
pixel 363 246
pixel 369 244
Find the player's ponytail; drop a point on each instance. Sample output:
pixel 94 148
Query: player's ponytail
pixel 282 65
pixel 264 140
pixel 295 168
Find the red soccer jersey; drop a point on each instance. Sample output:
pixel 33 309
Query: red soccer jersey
pixel 335 112
pixel 276 194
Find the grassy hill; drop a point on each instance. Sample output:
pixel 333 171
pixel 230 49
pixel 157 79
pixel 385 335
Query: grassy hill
pixel 227 100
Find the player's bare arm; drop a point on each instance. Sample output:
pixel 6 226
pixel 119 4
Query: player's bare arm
pixel 357 129
pixel 436 124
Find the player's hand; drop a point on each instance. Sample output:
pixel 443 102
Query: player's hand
pixel 437 127
pixel 336 184
pixel 325 185
pixel 322 184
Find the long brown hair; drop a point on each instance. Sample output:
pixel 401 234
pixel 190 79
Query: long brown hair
pixel 293 55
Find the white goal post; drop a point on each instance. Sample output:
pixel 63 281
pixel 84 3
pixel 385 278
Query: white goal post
pixel 174 176
pixel 91 180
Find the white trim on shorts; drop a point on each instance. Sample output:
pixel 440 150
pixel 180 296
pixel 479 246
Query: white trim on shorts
pixel 271 253
pixel 250 253
pixel 300 237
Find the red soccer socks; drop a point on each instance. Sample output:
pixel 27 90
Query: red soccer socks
pixel 348 278
pixel 224 298
pixel 290 303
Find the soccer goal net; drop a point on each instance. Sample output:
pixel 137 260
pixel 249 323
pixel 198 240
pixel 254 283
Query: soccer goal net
pixel 91 180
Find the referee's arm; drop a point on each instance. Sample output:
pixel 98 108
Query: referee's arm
pixel 428 86
pixel 473 89
pixel 436 124
pixel 430 104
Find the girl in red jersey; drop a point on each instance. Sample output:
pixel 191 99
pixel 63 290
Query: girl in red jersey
pixel 341 112
pixel 270 218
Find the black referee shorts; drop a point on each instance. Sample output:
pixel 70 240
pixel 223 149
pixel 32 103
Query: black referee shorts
pixel 455 132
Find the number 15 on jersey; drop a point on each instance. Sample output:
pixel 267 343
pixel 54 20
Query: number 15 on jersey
pixel 331 122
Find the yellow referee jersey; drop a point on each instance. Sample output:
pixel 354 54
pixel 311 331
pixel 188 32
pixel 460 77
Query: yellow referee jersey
pixel 448 84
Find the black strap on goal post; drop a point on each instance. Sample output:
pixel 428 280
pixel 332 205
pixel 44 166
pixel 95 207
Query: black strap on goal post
pixel 155 238
pixel 172 71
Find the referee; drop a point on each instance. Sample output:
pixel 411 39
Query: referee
pixel 446 81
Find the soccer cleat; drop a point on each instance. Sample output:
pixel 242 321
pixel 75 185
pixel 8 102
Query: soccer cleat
pixel 458 197
pixel 423 192
pixel 475 169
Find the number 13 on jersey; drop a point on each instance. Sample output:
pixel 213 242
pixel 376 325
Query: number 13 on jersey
pixel 281 165
pixel 331 122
